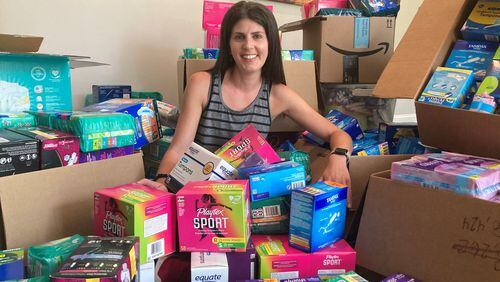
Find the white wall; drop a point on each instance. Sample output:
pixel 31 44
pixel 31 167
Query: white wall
pixel 140 39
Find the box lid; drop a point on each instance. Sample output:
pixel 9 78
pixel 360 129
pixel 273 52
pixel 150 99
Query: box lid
pixel 424 47
pixel 298 25
pixel 133 193
pixel 221 186
pixel 19 43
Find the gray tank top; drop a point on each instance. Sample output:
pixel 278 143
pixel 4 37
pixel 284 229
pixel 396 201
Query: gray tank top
pixel 219 123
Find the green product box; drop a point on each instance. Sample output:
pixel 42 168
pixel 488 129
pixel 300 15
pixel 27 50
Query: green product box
pixel 270 216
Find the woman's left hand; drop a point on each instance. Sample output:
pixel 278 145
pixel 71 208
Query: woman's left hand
pixel 336 170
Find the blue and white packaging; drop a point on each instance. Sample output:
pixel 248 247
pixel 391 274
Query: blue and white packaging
pixel 482 23
pixel 274 180
pixel 345 122
pixel 101 93
pixel 12 264
pixel 317 215
pixel 472 55
pixel 392 132
pixel 447 87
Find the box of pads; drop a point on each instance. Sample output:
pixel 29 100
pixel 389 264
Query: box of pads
pixel 136 210
pixel 317 215
pixel 213 216
pixel 274 180
pixel 206 266
pixel 18 153
pixel 101 93
pixel 199 164
pixel 248 148
pixel 279 260
pixel 105 154
pixel 16 120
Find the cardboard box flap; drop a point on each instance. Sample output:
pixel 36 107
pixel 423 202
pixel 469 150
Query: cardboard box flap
pixel 424 46
pixel 298 25
pixel 82 64
pixel 41 206
pixel 432 235
pixel 19 43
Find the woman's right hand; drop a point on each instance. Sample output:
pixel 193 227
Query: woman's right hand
pixel 153 184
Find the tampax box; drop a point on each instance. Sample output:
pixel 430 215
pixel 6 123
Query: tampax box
pixel 207 266
pixel 18 153
pixel 345 122
pixel 12 264
pixel 101 259
pixel 279 260
pixel 57 148
pixel 482 23
pixel 317 215
pixel 248 148
pixel 213 216
pixel 144 112
pixel 101 93
pixel 274 180
pixel 347 49
pixel 199 164
pixel 137 210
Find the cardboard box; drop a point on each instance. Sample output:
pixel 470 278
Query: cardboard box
pixel 429 234
pixel 18 153
pixel 348 49
pixel 209 267
pixel 72 210
pixel 435 29
pixel 137 210
pixel 300 76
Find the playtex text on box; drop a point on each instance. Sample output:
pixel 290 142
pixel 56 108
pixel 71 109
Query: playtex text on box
pixel 34 82
pixel 136 210
pixel 213 216
pixel 199 164
pixel 345 122
pixel 101 259
pixel 317 215
pixel 278 260
pixel 447 87
pixel 57 148
pixel 248 148
pixel 274 180
pixel 144 112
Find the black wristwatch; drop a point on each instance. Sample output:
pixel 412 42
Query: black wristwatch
pixel 342 152
pixel 161 175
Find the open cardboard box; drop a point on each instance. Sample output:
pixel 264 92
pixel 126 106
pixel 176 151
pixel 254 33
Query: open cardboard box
pixel 425 46
pixel 300 76
pixel 45 205
pixel 432 235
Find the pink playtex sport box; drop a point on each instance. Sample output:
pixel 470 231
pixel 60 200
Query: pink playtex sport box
pixel 213 216
pixel 279 260
pixel 137 210
pixel 248 148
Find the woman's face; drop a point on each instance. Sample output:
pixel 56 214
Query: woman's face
pixel 249 45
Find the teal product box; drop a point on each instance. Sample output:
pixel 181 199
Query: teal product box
pixel 270 216
pixel 447 87
pixel 35 82
pixel 16 120
pixel 101 93
pixel 144 112
pixel 12 264
pixel 297 55
pixel 482 23
pixel 317 215
pixel 472 55
pixel 274 180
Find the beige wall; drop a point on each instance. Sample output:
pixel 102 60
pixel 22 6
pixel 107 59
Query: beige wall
pixel 140 39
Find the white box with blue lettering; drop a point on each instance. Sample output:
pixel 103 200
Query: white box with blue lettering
pixel 274 180
pixel 317 215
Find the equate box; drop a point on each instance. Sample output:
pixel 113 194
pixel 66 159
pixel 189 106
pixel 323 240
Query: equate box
pixel 137 210
pixel 213 216
pixel 317 215
pixel 198 164
pixel 279 260
pixel 207 266
pixel 248 148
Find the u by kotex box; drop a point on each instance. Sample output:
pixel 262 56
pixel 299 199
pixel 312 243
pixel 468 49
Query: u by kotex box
pixel 317 215
pixel 447 87
pixel 213 216
pixel 274 180
pixel 100 259
pixel 57 148
pixel 278 260
pixel 248 148
pixel 137 210
pixel 199 164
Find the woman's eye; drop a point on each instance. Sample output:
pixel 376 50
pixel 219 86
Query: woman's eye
pixel 257 36
pixel 239 37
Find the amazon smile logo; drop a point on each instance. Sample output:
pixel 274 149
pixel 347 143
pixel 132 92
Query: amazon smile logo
pixel 384 47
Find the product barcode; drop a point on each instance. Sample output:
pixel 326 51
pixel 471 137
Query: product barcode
pixel 298 184
pixel 270 211
pixel 156 249
pixel 491 37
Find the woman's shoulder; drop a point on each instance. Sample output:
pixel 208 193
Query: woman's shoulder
pixel 200 77
pixel 280 90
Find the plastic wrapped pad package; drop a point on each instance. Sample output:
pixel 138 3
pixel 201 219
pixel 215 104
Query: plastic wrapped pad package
pixel 16 120
pixel 97 131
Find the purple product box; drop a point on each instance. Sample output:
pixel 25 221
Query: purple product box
pixel 242 265
pixel 399 277
pixel 105 154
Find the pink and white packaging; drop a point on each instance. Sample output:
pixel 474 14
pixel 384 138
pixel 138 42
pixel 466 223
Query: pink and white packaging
pixel 280 261
pixel 214 11
pixel 310 8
